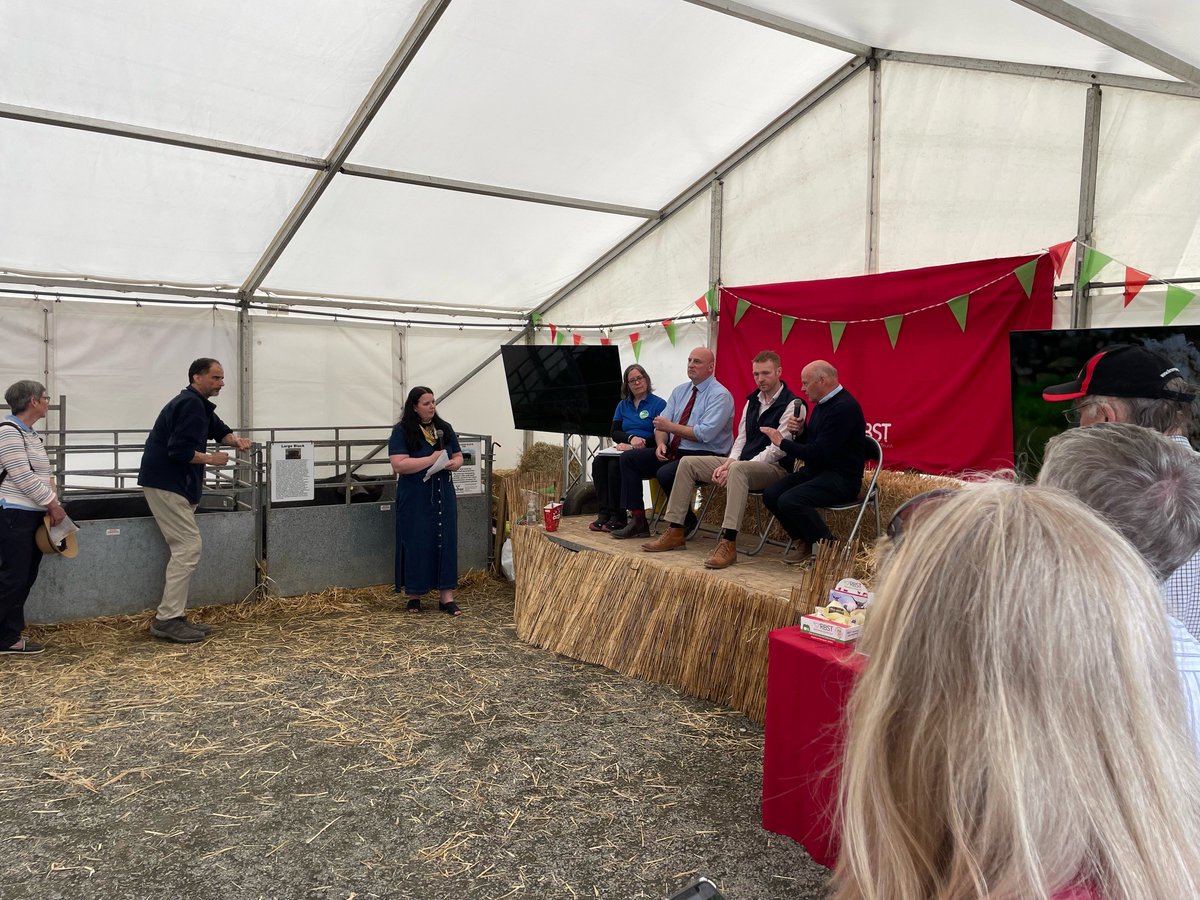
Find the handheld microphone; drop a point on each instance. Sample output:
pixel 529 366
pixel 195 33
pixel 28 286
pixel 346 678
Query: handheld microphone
pixel 439 434
pixel 799 409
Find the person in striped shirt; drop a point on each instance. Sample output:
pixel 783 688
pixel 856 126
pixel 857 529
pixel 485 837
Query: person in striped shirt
pixel 27 496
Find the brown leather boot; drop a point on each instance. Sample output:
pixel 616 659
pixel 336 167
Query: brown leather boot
pixel 724 556
pixel 800 553
pixel 671 539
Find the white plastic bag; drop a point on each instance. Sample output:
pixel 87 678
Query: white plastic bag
pixel 506 561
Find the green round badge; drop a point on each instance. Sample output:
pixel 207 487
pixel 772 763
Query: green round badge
pixel 644 414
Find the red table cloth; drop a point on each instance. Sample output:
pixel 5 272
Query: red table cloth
pixel 808 684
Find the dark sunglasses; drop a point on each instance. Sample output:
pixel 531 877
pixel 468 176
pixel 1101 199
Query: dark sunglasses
pixel 902 518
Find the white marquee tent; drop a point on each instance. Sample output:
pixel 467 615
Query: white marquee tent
pixel 351 198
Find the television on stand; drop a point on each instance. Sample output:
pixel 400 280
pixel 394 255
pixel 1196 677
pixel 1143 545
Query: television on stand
pixel 566 390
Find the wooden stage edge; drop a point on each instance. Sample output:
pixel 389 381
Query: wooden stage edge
pixel 661 617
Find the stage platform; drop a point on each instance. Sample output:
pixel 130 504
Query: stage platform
pixel 658 616
pixel 763 572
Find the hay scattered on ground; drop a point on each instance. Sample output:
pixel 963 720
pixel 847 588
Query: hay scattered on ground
pixel 335 746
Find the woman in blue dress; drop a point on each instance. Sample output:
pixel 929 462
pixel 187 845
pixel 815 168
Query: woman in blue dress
pixel 426 515
pixel 633 426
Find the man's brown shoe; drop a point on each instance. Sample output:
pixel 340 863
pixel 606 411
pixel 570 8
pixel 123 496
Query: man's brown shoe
pixel 799 554
pixel 724 556
pixel 671 539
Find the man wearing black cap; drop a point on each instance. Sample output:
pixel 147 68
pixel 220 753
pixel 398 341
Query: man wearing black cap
pixel 1129 384
pixel 1126 383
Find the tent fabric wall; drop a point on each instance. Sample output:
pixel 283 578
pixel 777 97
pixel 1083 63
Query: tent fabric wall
pixel 24 327
pixel 1148 190
pixel 477 104
pixel 119 364
pixel 82 204
pixel 661 275
pixel 323 374
pixel 990 166
pixel 379 239
pixel 273 73
pixel 800 203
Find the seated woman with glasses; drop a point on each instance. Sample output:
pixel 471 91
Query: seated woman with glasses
pixel 633 426
pixel 1018 730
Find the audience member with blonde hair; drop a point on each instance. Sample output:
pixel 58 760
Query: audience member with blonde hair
pixel 1018 731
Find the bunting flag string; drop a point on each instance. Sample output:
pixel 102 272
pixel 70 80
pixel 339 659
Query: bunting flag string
pixel 1090 261
pixel 958 305
pixel 1058 255
pixel 1134 282
pixel 1177 298
pixel 788 322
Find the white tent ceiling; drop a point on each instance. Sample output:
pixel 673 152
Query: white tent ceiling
pixel 465 155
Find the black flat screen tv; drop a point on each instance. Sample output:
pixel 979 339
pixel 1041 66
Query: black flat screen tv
pixel 571 390
pixel 1043 358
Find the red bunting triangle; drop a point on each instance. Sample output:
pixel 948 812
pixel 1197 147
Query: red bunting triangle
pixel 577 339
pixel 1134 282
pixel 1058 255
pixel 605 341
pixel 702 303
pixel 553 333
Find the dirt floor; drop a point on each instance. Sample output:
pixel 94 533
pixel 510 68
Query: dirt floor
pixel 334 746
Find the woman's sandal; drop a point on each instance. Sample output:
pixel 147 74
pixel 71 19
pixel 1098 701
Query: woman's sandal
pixel 450 609
pixel 414 604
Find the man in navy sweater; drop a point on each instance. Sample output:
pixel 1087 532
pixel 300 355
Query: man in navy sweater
pixel 172 476
pixel 832 447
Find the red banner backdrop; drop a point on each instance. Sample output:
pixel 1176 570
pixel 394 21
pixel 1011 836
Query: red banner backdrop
pixel 925 351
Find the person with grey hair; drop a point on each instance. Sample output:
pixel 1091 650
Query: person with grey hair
pixel 1127 383
pixel 27 496
pixel 1148 488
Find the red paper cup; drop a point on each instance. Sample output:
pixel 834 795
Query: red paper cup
pixel 552 514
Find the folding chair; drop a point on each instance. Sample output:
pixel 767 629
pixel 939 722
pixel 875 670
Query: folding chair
pixel 870 496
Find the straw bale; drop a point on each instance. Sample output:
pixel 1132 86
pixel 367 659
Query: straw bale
pixel 546 459
pixel 684 628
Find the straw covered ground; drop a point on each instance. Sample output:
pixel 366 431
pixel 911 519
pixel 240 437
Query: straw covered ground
pixel 333 746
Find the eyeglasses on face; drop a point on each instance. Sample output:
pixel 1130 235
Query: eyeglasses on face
pixel 635 379
pixel 902 518
pixel 1075 413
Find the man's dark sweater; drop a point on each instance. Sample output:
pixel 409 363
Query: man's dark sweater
pixel 834 438
pixel 183 429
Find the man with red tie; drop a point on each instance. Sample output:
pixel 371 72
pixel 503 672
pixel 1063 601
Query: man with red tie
pixel 698 421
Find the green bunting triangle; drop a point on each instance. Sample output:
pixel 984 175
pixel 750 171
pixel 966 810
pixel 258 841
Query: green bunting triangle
pixel 536 318
pixel 892 324
pixel 710 297
pixel 1025 276
pixel 1093 262
pixel 1177 301
pixel 742 306
pixel 637 350
pixel 560 337
pixel 788 322
pixel 836 330
pixel 669 325
pixel 958 306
